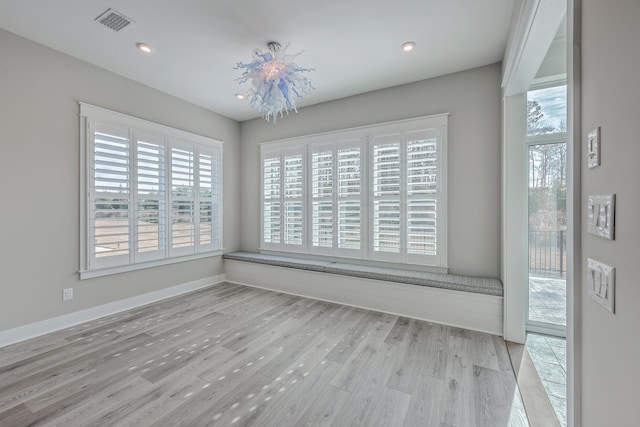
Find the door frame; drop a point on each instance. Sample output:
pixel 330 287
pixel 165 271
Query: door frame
pixel 529 39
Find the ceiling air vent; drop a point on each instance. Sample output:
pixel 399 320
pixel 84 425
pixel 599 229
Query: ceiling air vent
pixel 114 20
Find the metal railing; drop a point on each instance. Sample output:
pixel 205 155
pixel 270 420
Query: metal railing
pixel 547 253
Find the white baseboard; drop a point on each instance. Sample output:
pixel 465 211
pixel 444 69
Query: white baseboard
pixel 466 310
pixel 32 330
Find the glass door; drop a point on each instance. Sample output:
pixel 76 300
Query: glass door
pixel 547 164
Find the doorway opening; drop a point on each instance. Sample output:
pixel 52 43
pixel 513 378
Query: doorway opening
pixel 547 239
pixel 547 213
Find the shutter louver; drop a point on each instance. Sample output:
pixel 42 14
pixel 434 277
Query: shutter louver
pixel 422 185
pixel 386 194
pixel 151 197
pixel 205 185
pixel 182 200
pixel 322 197
pixel 349 197
pixel 271 191
pixel 209 198
pixel 293 201
pixel 110 209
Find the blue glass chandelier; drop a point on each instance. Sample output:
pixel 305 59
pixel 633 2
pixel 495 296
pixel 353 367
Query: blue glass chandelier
pixel 276 81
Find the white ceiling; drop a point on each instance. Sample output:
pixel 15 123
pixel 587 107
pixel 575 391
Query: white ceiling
pixel 353 45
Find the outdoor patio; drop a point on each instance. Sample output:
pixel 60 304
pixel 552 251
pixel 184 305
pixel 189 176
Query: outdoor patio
pixel 548 300
pixel 549 356
pixel 547 304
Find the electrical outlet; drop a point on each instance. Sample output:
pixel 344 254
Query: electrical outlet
pixel 602 283
pixel 67 294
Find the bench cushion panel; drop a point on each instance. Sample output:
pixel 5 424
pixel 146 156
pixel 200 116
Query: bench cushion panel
pixel 479 285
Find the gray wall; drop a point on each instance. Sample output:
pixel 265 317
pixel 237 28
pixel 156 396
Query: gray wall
pixel 611 99
pixel 39 173
pixel 473 99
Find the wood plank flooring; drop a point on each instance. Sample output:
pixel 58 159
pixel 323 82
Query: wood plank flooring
pixel 238 356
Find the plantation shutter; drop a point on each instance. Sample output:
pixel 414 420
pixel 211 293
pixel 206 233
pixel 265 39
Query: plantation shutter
pixel 322 194
pixel 387 185
pixel 349 189
pixel 152 193
pixel 209 198
pixel 422 186
pixel 271 194
pixel 182 200
pixel 110 205
pixel 151 211
pixel 293 197
pixel 374 193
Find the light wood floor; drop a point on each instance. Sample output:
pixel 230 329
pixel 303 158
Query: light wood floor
pixel 233 355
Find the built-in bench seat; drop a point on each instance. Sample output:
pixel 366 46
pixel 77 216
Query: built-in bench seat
pixel 468 302
pixel 479 285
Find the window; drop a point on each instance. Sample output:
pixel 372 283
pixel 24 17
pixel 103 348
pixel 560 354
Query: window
pixel 405 196
pixel 349 194
pixel 283 203
pixel 318 198
pixel 152 193
pixel 336 198
pixel 322 195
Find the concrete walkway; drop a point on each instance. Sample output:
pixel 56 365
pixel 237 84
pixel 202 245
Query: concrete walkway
pixel 548 300
pixel 548 304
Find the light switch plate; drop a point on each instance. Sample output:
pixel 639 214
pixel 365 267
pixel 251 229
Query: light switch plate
pixel 601 212
pixel 593 148
pixel 602 283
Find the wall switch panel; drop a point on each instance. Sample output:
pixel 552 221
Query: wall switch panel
pixel 601 213
pixel 593 148
pixel 602 283
pixel 67 294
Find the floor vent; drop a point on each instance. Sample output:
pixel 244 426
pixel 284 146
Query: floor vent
pixel 114 20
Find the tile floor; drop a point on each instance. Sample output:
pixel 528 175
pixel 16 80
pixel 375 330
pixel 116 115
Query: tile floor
pixel 549 355
pixel 548 300
pixel 547 304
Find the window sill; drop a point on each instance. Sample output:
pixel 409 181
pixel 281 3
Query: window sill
pixel 90 274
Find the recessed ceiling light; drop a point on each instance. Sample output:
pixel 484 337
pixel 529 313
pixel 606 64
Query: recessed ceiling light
pixel 239 95
pixel 143 47
pixel 408 46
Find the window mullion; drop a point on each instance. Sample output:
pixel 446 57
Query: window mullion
pixel 403 197
pixel 282 198
pixel 196 199
pixel 366 199
pixel 91 195
pixel 166 218
pixel 133 197
pixel 170 198
pixel 334 194
pixel 308 201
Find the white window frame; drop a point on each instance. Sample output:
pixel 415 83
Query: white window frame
pixel 168 138
pixel 363 138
